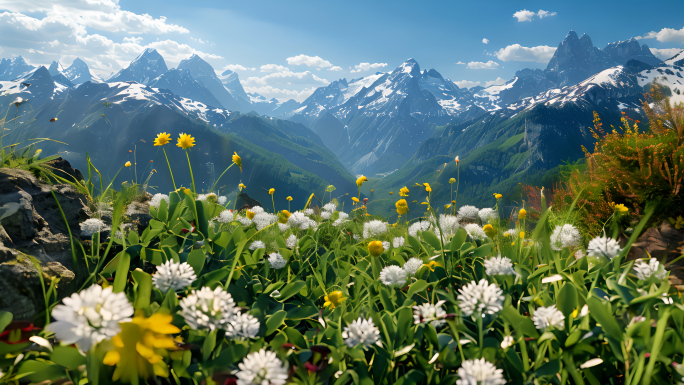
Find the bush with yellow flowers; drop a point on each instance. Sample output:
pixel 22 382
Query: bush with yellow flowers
pixel 207 294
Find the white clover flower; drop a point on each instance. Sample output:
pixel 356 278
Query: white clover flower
pixel 480 298
pixel 291 241
pixel 487 214
pixel 398 242
pixel 308 212
pixel 545 317
pixel 257 210
pixel 342 217
pixel 507 342
pixel 92 226
pixel 603 247
pixel 645 270
pixel 222 200
pixel 499 266
pixel 468 212
pixel 565 236
pixel 243 325
pixel 385 245
pixel 156 200
pixel 326 215
pixel 479 372
pixel 208 309
pixel 430 313
pixel 330 207
pixel 276 261
pixel 299 220
pixel 226 216
pixel 257 245
pixel 244 220
pixel 393 276
pixel 412 265
pixel 173 275
pixel 374 228
pixel 418 226
pixel 513 233
pixel 90 316
pixel 361 331
pixel 448 225
pixel 262 368
pixel 283 227
pixel 356 237
pixel 264 219
pixel 201 197
pixel 475 231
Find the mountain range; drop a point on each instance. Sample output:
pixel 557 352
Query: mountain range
pixel 399 127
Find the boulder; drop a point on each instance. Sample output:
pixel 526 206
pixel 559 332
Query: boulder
pixel 31 224
pixel 661 242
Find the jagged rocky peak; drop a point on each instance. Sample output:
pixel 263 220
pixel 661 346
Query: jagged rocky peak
pixel 147 66
pixel 576 59
pixel 55 68
pixel 624 51
pixel 14 67
pixel 410 67
pixel 79 72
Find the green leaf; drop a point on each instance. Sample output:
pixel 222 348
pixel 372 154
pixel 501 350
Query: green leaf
pixel 416 287
pixel 602 313
pixel 274 321
pixel 39 371
pixel 567 299
pixel 5 319
pixel 521 324
pixel 431 239
pixel 458 239
pixel 143 290
pixel 549 369
pixel 196 259
pixel 67 356
pixel 121 273
pixel 209 345
pixel 291 289
pixel 302 312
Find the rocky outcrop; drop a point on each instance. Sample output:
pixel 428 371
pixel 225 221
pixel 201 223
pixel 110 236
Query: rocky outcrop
pixel 31 225
pixel 662 242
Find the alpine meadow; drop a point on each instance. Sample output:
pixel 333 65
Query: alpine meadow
pixel 276 193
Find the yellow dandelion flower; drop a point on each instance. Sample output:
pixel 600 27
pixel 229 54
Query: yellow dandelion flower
pixel 271 191
pixel 162 139
pixel 404 191
pixel 127 164
pixel 427 187
pixel 375 248
pixel 497 196
pixel 185 141
pixel 452 180
pixel 489 230
pixel 289 199
pixel 402 206
pixel 249 214
pixel 355 199
pixel 334 299
pixel 522 235
pixel 621 208
pixel 237 160
pixel 522 214
pixel 242 186
pixel 360 180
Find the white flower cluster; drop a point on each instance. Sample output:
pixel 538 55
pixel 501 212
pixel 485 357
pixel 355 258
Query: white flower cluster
pixel 398 242
pixel 276 261
pixel 418 226
pixel 468 212
pixel 545 317
pixel 226 216
pixel 243 325
pixel 308 212
pixel 262 219
pixel 430 313
pixel 386 245
pixel 480 298
pixel 208 309
pixel 565 236
pixel 653 268
pixel 393 276
pixel 374 228
pixel 299 220
pixel 262 368
pixel 342 217
pixel 173 275
pixel 222 200
pixel 412 265
pixel 513 233
pixel 92 226
pixel 499 266
pixel 487 214
pixel 90 316
pixel 157 198
pixel 243 220
pixel 291 241
pixel 603 247
pixel 361 331
pixel 475 231
pixel 257 245
pixel 479 372
pixel 330 207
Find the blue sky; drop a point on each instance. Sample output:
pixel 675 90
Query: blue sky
pixel 288 48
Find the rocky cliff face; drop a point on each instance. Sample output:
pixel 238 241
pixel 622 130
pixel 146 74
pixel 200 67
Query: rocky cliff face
pixel 31 224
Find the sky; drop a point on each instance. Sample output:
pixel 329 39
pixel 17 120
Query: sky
pixel 286 49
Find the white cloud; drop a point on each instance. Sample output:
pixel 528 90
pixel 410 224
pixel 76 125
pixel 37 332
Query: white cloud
pixel 525 15
pixel 237 67
pixel 367 67
pixel 485 41
pixel 478 65
pixel 285 85
pixel 665 53
pixel 542 14
pixel 309 61
pixel 467 83
pixel 517 52
pixel 666 35
pixel 460 62
pixel 335 68
pixel 496 82
pixel 273 68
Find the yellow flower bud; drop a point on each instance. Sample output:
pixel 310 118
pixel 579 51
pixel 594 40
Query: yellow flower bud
pixel 375 248
pixel 522 214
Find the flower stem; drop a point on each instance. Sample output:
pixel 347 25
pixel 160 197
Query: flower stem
pixel 170 170
pixel 192 177
pixel 480 331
